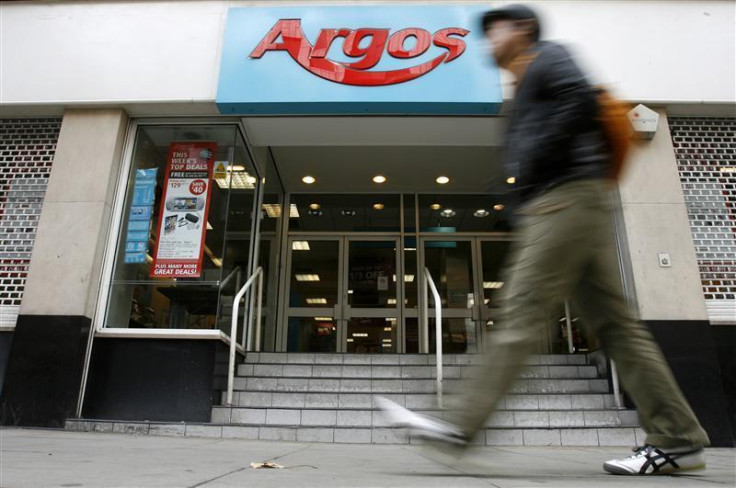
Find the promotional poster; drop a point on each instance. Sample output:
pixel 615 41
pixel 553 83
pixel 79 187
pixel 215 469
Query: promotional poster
pixel 183 214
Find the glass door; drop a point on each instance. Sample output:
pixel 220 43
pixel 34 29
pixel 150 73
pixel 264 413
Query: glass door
pixel 313 294
pixel 371 300
pixel 450 261
pixel 342 295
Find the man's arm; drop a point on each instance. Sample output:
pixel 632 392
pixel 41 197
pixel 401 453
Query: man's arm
pixel 573 105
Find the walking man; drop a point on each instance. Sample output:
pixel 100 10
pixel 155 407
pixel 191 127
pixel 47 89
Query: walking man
pixel 558 156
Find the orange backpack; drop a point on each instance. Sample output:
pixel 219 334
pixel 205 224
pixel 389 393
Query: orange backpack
pixel 614 120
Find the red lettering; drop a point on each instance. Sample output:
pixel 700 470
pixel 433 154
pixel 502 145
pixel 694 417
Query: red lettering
pixel 287 29
pixel 455 46
pixel 287 35
pixel 324 41
pixel 397 41
pixel 372 53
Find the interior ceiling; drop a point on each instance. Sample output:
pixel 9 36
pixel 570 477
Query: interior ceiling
pixel 350 169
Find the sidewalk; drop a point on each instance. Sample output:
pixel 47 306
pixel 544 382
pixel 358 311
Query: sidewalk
pixel 37 458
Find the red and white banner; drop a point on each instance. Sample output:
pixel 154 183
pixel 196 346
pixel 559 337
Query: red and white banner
pixel 182 220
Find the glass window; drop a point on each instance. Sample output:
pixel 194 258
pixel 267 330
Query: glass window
pixel 462 213
pixel 349 213
pixel 186 228
pixel 314 273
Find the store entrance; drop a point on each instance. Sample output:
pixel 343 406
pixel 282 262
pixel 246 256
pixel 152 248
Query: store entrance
pixel 343 294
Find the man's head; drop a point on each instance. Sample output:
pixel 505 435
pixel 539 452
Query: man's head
pixel 510 30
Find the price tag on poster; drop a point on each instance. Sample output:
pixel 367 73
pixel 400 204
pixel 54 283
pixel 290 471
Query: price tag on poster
pixel 182 218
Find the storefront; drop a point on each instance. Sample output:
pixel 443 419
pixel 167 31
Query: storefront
pixel 345 153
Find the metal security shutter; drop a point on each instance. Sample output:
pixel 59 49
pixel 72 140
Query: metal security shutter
pixel 27 149
pixel 706 160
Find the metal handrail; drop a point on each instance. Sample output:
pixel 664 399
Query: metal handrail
pixel 437 329
pixel 227 279
pixel 258 274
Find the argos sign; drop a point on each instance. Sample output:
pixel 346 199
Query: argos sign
pixel 314 58
pixel 354 60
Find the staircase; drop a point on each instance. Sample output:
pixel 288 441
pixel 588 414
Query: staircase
pixel 560 400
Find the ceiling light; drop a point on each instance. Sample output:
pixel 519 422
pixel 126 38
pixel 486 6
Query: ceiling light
pixel 388 329
pixel 442 180
pixel 379 179
pixel 273 210
pixel 492 285
pixel 317 301
pixel 308 180
pixel 307 277
pixel 314 206
pixel 408 278
pixel 498 207
pixel 448 212
pixel 350 339
pixel 391 301
pixel 237 167
pixel 350 292
pixel 323 319
pixel 480 213
pixel 360 334
pixel 510 180
pixel 728 169
pixel 348 213
pixel 410 249
pixel 378 206
pixel 239 180
pixel 387 341
pixel 293 211
pixel 300 246
pixel 315 213
pixel 435 206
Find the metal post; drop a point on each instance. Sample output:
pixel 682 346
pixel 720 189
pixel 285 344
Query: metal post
pixel 570 347
pixel 616 389
pixel 259 302
pixel 438 333
pixel 234 335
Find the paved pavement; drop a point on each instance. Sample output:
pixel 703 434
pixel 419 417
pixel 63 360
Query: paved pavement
pixel 40 458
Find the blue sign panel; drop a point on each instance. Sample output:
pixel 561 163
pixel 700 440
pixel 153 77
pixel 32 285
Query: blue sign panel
pixel 357 60
pixel 136 240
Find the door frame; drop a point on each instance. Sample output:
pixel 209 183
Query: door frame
pixel 341 312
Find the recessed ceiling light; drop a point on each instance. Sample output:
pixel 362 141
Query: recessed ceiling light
pixel 315 213
pixel 442 180
pixel 300 246
pixel 237 167
pixel 435 206
pixel 481 212
pixel 309 180
pixel 348 213
pixel 379 179
pixel 314 206
pixel 378 206
pixel 448 212
pixel 498 207
pixel 307 277
pixel 510 180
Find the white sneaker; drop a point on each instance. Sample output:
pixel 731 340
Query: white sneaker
pixel 649 460
pixel 420 426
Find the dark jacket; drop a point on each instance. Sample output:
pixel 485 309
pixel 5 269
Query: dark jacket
pixel 553 135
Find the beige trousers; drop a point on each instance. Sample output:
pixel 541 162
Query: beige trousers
pixel 566 248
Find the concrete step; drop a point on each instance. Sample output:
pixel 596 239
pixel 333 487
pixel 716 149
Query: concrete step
pixel 403 371
pixel 364 385
pixel 267 399
pixel 399 359
pixel 572 437
pixel 361 418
